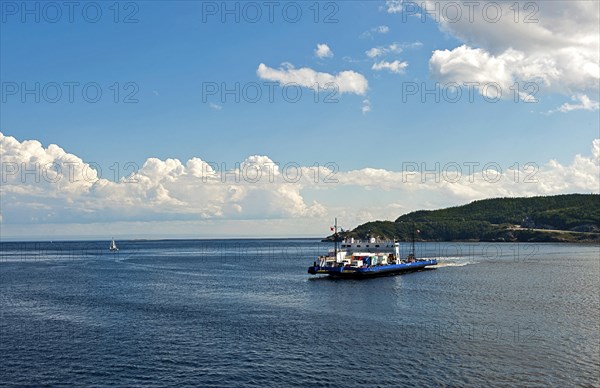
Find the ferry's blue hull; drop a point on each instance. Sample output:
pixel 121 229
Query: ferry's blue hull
pixel 381 270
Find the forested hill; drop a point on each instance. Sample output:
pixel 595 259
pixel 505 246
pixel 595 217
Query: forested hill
pixel 569 218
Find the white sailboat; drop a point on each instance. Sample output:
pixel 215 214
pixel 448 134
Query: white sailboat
pixel 113 246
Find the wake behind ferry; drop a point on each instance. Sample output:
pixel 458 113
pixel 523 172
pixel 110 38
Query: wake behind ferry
pixel 370 258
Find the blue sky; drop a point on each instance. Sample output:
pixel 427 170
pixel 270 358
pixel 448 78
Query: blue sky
pixel 175 48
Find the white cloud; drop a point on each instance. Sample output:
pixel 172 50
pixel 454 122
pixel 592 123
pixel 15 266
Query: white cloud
pixel 61 187
pixel 395 66
pixel 374 52
pixel 559 51
pixel 215 106
pixel 585 103
pixel 580 176
pixel 171 191
pixel 383 29
pixel 346 81
pixel 465 64
pixel 323 51
pixel 393 6
pixel 366 108
pixel 394 48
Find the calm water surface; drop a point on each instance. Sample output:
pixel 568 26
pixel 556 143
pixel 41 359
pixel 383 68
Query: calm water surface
pixel 245 312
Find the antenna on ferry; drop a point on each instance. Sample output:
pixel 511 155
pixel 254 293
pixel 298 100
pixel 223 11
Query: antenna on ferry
pixel 413 240
pixel 335 239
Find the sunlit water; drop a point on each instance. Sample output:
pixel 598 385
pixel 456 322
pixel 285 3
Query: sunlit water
pixel 245 312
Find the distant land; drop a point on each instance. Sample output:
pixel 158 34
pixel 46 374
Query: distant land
pixel 560 218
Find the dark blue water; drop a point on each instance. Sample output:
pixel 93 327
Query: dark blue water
pixel 245 312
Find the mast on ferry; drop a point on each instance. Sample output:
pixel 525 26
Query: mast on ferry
pixel 412 253
pixel 335 239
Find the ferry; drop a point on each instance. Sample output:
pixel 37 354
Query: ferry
pixel 369 258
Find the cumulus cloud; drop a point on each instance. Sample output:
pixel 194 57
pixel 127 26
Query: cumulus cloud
pixel 394 67
pixel 47 185
pixel 393 6
pixel 449 186
pixel 584 103
pixel 468 65
pixel 323 51
pixel 394 48
pixel 50 185
pixel 383 29
pixel 346 81
pixel 366 108
pixel 374 52
pixel 581 175
pixel 554 44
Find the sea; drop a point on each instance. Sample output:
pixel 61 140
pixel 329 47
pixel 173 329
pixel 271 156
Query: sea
pixel 231 313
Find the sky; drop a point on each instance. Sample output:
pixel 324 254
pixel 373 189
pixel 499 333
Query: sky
pixel 203 119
